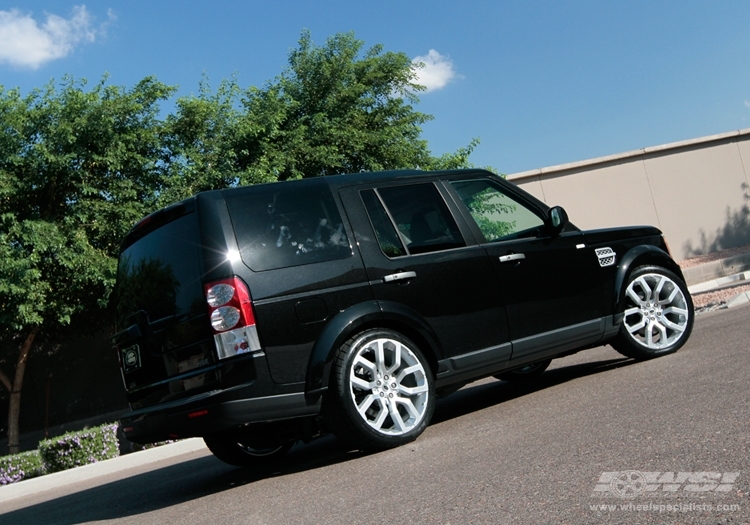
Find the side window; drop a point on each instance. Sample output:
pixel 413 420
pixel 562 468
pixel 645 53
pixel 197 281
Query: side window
pixel 280 225
pixel 390 242
pixel 498 216
pixel 422 220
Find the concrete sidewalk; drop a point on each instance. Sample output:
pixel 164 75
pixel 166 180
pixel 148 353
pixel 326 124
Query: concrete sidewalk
pixel 102 468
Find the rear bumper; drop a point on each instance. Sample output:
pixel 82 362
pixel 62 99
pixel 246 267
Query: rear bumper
pixel 213 411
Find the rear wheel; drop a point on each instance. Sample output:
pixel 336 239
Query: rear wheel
pixel 242 453
pixel 382 393
pixel 525 373
pixel 657 314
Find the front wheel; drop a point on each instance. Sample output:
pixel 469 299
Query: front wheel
pixel 657 314
pixel 382 392
pixel 241 453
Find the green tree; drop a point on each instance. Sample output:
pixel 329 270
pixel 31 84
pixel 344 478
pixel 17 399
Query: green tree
pixel 199 142
pixel 77 169
pixel 333 110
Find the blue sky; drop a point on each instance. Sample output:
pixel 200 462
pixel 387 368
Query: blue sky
pixel 539 82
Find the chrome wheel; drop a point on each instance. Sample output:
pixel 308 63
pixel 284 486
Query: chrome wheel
pixel 657 313
pixel 388 385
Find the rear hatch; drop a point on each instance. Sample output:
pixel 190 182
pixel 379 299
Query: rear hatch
pixel 164 337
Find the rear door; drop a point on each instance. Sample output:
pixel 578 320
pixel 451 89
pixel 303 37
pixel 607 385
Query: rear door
pixel 421 261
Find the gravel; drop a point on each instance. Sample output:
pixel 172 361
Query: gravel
pixel 714 256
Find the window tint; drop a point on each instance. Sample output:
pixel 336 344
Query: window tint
pixel 283 224
pixel 159 273
pixel 422 219
pixel 497 215
pixel 389 241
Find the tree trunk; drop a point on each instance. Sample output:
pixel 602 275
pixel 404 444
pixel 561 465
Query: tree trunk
pixel 15 387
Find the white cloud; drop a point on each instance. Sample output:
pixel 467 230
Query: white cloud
pixel 437 70
pixel 747 104
pixel 24 43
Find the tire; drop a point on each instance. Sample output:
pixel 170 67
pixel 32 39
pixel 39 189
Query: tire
pixel 382 392
pixel 657 312
pixel 525 373
pixel 231 449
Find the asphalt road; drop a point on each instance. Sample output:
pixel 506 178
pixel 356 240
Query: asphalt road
pixel 599 439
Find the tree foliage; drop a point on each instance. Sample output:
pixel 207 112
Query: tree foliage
pixel 77 168
pixel 332 111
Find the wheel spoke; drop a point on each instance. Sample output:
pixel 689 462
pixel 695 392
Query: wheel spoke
pixel 396 360
pixel 634 296
pixel 409 406
pixel 360 383
pixel 364 363
pixel 646 288
pixel 657 292
pixel 396 417
pixel 409 370
pixel 663 339
pixel 636 327
pixel 650 335
pixel 365 404
pixel 412 391
pixel 380 356
pixel 632 311
pixel 671 297
pixel 673 326
pixel 675 310
pixel 382 415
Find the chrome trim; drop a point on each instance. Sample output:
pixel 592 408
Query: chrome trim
pixel 512 257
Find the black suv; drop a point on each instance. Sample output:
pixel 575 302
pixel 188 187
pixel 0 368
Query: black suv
pixel 259 316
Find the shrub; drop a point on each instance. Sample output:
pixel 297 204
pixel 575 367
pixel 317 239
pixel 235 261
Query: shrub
pixel 79 448
pixel 20 466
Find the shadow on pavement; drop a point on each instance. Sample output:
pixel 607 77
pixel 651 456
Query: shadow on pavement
pixel 197 478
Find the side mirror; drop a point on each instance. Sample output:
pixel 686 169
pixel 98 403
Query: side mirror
pixel 557 220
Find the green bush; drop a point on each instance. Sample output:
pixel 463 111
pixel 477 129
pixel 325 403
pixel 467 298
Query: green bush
pixel 80 448
pixel 20 466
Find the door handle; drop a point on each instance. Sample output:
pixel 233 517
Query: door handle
pixel 400 276
pixel 512 257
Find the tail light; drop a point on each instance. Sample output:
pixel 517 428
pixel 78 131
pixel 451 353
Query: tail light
pixel 232 319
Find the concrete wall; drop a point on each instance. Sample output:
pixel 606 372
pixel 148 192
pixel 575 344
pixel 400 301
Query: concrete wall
pixel 697 192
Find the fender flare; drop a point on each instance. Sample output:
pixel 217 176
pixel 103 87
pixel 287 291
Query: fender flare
pixel 345 324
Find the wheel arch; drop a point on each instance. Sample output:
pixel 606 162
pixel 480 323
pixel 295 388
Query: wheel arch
pixel 643 255
pixel 361 317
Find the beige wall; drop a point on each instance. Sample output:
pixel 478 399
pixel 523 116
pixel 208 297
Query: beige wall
pixel 695 191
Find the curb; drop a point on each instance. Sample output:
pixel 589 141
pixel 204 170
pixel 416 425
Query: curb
pixel 717 269
pixel 737 300
pixel 722 282
pixel 102 468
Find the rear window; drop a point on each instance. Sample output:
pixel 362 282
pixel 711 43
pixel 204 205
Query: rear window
pixel 287 224
pixel 159 273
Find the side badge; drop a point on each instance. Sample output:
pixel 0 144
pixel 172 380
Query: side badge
pixel 606 256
